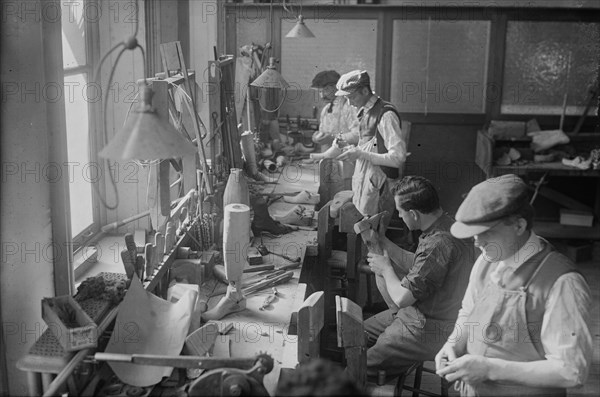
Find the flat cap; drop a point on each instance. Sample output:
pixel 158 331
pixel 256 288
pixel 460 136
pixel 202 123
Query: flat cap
pixel 352 81
pixel 487 203
pixel 325 78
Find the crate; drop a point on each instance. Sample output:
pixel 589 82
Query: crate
pixel 67 321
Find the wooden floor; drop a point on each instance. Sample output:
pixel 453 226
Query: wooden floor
pixel 591 271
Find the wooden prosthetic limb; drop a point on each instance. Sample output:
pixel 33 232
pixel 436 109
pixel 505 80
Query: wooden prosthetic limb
pixel 369 230
pixel 236 237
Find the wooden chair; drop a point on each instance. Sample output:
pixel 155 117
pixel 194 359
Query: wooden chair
pixel 418 369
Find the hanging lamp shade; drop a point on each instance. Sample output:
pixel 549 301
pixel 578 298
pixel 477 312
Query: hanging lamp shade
pixel 270 78
pixel 145 136
pixel 300 31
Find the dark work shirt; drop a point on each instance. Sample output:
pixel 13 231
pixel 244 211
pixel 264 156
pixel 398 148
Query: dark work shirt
pixel 440 272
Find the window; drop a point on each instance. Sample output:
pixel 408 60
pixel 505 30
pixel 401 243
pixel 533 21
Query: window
pixel 440 66
pixel 81 98
pixel 330 50
pixel 546 61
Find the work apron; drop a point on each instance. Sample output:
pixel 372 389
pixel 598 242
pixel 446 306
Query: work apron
pixel 499 319
pixel 369 183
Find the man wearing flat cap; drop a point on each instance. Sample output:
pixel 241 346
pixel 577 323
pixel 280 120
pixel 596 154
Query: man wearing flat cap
pixel 381 148
pixel 523 325
pixel 338 116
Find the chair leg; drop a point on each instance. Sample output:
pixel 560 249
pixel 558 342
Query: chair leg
pixel 402 378
pixel 417 384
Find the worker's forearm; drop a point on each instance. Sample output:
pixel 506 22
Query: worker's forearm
pixel 459 336
pixel 401 257
pixel 401 296
pixel 545 373
pixel 389 159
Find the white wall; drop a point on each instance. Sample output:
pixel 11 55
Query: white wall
pixel 26 272
pixel 205 23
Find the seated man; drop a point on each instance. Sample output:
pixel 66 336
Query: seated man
pixel 523 328
pixel 424 290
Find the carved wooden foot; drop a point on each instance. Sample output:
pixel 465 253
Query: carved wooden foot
pixel 233 301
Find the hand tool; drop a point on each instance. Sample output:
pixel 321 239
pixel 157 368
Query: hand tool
pixel 269 299
pixel 265 251
pixel 260 268
pixel 280 279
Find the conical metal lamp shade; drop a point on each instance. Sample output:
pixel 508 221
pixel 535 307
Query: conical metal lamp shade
pixel 145 136
pixel 270 78
pixel 300 31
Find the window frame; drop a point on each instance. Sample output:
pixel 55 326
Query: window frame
pixel 498 16
pixel 92 50
pixel 69 252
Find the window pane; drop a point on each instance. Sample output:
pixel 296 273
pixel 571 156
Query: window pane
pixel 251 27
pixel 337 46
pixel 545 60
pixel 73 33
pixel 440 66
pixel 80 169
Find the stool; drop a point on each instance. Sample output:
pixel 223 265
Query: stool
pixel 418 369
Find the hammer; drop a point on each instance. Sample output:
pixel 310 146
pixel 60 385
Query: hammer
pixel 368 229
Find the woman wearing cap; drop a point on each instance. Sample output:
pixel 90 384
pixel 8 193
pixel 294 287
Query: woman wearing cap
pixel 338 116
pixel 523 328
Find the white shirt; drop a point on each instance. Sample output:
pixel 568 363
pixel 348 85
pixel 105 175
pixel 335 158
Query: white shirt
pixel 394 138
pixel 341 118
pixel 565 329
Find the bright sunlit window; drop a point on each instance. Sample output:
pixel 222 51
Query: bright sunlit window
pixel 80 99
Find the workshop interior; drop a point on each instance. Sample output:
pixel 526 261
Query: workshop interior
pixel 199 197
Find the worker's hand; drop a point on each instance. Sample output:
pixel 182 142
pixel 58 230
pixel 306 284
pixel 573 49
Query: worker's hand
pixel 380 264
pixel 469 368
pixel 352 154
pixel 322 138
pixel 444 356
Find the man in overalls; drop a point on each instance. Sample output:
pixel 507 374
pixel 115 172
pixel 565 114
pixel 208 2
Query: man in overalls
pixel 523 326
pixel 381 148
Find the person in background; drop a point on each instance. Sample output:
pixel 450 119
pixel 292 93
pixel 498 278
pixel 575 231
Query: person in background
pixel 381 148
pixel 423 290
pixel 318 377
pixel 523 328
pixel 337 116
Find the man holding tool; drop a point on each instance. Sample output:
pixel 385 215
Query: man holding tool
pixel 381 148
pixel 423 289
pixel 338 116
pixel 523 328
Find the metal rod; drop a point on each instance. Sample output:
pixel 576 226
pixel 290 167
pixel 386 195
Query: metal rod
pixel 177 361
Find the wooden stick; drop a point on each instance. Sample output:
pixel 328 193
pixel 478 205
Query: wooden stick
pixel 564 106
pixel 564 109
pixel 118 224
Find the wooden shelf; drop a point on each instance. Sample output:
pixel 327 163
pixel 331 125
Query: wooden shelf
pixel 583 142
pixel 555 168
pixel 556 230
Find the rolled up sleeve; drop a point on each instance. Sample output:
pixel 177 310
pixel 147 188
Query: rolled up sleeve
pixel 429 267
pixel 565 330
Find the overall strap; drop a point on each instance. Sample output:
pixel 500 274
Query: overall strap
pixel 382 107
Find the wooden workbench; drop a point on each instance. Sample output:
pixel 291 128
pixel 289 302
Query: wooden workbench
pixel 268 331
pixel 254 331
